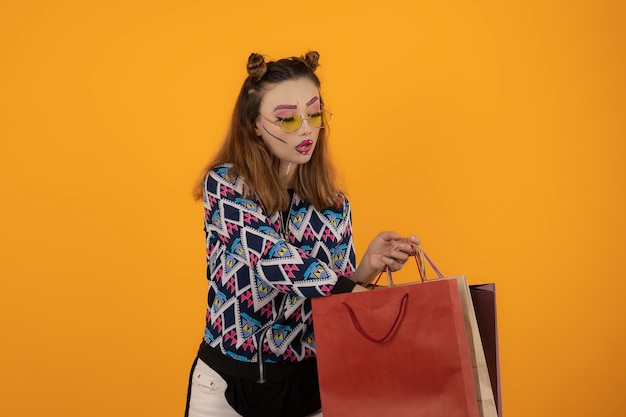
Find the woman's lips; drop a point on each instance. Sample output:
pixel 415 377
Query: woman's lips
pixel 305 146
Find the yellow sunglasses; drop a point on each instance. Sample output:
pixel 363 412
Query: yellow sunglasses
pixel 290 124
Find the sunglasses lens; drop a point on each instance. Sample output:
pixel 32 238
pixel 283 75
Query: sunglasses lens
pixel 317 119
pixel 291 124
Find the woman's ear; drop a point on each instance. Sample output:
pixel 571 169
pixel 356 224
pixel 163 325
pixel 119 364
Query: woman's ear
pixel 257 127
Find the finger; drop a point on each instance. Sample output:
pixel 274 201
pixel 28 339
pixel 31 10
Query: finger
pixel 388 236
pixel 405 248
pixel 400 254
pixel 411 240
pixel 393 264
pixel 396 256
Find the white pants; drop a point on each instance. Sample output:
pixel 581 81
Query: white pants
pixel 207 399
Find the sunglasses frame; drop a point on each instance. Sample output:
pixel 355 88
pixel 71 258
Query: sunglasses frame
pixel 302 119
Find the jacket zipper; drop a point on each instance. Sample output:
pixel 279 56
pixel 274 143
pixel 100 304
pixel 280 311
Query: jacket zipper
pixel 284 228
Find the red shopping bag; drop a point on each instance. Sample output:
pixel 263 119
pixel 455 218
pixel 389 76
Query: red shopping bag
pixel 397 351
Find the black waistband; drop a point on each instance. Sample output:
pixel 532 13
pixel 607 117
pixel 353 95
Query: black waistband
pixel 250 370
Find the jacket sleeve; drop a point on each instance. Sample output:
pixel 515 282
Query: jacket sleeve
pixel 244 242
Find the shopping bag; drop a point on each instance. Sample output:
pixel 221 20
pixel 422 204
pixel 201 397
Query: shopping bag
pixel 484 299
pixel 482 378
pixel 396 351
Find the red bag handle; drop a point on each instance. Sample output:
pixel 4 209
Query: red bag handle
pixel 395 324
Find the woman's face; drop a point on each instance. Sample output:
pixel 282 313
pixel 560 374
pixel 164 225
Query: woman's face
pixel 283 101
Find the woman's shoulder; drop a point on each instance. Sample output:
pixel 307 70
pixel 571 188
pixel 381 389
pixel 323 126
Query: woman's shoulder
pixel 341 200
pixel 340 206
pixel 221 171
pixel 222 175
pixel 221 183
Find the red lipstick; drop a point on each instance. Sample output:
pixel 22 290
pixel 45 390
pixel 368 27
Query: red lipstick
pixel 305 146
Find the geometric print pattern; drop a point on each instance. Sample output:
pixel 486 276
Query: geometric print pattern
pixel 252 266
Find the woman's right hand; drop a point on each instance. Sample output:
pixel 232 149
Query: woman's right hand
pixel 386 250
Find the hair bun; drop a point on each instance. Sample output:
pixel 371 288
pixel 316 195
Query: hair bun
pixel 311 59
pixel 256 66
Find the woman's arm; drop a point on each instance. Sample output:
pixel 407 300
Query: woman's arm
pixel 243 236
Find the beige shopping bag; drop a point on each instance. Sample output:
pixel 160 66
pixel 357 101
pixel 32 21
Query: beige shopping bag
pixel 482 381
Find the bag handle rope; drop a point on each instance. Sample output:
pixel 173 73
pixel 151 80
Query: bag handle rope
pixel 419 255
pixel 395 324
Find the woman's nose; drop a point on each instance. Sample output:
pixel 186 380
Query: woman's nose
pixel 305 127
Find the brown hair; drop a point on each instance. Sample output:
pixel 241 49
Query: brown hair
pixel 250 157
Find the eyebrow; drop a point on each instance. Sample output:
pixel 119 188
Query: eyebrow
pixel 285 106
pixel 313 100
pixel 293 106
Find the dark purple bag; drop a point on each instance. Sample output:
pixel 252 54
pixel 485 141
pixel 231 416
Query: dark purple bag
pixel 484 299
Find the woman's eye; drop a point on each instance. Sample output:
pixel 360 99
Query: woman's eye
pixel 286 119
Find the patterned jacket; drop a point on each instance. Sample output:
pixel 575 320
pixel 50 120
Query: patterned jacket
pixel 261 276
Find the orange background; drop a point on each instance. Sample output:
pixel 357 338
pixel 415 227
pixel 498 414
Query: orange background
pixel 493 130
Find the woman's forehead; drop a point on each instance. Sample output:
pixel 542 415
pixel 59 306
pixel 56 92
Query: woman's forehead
pixel 291 94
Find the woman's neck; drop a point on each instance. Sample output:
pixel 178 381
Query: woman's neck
pixel 287 173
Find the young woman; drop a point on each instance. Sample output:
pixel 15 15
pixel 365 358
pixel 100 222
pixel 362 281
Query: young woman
pixel 278 232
